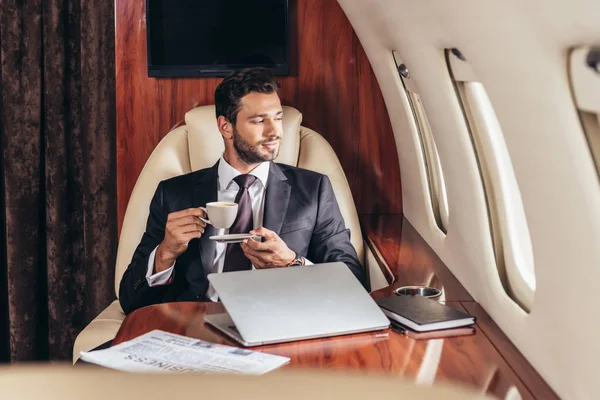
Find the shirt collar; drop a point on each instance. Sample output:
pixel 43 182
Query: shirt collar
pixel 227 173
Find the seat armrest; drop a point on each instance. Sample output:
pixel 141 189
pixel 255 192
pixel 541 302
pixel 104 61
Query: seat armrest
pixel 102 329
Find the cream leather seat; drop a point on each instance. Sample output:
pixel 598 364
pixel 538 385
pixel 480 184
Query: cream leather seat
pixel 60 383
pixel 197 145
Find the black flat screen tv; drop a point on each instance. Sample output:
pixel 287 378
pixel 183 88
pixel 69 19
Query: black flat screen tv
pixel 189 38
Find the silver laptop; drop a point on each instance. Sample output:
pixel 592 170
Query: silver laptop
pixel 285 304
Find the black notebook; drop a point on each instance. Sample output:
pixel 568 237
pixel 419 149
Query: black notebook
pixel 437 334
pixel 422 314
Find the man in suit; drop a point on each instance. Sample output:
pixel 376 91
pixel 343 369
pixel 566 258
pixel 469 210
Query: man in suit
pixel 294 210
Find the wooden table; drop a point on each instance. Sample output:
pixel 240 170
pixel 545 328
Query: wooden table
pixel 406 259
pixel 486 360
pixel 469 359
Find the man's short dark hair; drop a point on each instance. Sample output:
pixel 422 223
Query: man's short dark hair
pixel 238 84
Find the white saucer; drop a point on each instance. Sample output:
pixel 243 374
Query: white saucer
pixel 234 237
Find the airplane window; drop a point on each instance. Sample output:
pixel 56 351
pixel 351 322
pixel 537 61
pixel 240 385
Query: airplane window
pixel 508 224
pixel 433 166
pixel 584 69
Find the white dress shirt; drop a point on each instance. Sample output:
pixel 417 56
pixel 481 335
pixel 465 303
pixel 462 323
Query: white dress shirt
pixel 226 191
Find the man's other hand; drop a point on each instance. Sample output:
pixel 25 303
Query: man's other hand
pixel 271 253
pixel 182 226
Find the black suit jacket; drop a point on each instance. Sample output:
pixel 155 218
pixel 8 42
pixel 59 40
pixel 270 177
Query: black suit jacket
pixel 300 207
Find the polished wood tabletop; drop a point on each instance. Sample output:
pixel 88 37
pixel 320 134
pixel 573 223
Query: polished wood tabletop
pixel 485 360
pixel 471 360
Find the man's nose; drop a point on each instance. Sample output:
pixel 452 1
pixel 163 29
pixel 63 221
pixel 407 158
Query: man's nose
pixel 272 128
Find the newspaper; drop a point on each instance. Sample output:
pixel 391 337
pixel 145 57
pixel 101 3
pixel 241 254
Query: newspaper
pixel 160 351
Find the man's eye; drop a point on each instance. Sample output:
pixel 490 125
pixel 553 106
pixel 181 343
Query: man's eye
pixel 279 119
pixel 259 121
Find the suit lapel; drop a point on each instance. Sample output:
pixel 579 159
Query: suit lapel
pixel 277 198
pixel 205 191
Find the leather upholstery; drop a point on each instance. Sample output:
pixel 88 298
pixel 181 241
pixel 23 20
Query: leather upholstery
pixel 196 145
pixel 317 155
pixel 102 329
pixel 58 382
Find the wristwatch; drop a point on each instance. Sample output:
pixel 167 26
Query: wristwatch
pixel 299 260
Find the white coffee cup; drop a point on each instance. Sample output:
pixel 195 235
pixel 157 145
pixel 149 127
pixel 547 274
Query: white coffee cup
pixel 221 214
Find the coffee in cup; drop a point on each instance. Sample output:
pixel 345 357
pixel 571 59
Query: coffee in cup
pixel 221 214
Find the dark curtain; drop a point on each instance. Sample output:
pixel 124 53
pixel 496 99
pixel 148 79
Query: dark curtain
pixel 57 123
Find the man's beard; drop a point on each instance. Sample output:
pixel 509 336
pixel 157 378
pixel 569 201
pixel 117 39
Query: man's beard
pixel 249 154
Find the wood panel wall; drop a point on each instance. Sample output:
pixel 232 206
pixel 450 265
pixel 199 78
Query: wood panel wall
pixel 332 84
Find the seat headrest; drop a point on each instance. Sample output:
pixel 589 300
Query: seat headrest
pixel 206 143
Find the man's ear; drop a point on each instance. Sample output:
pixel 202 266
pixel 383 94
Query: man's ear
pixel 225 127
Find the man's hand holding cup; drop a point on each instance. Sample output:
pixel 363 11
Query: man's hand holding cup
pixel 182 226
